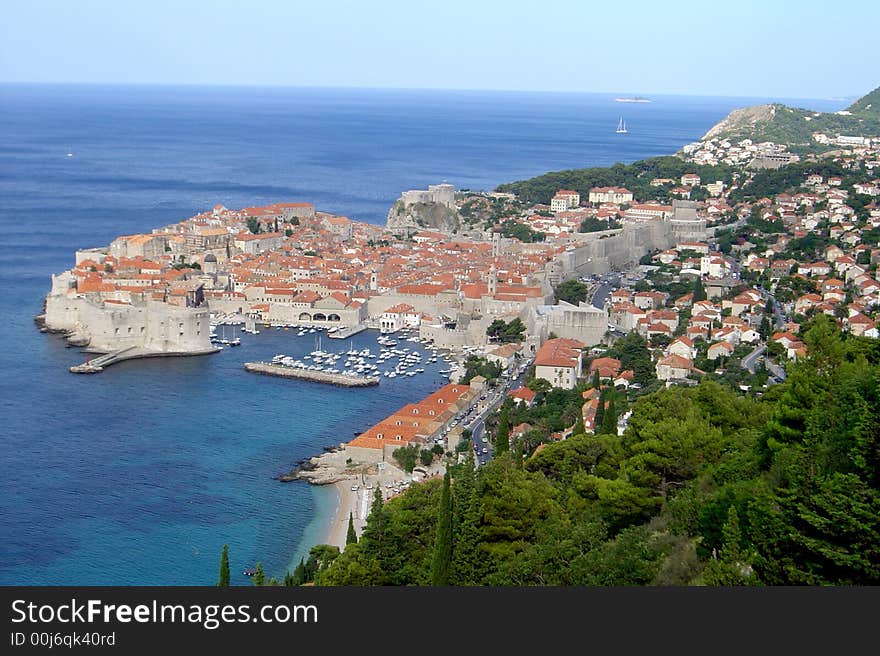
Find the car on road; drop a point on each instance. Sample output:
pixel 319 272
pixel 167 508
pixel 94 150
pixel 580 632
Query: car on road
pixel 354 488
pixel 485 450
pixel 485 439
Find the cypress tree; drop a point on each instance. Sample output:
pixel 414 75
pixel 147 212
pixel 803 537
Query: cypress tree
pixel 600 415
pixel 579 425
pixel 223 581
pixel 443 538
pixel 288 580
pixel 609 420
pixel 373 546
pixel 732 537
pixel 299 573
pixel 259 576
pixel 467 555
pixel 595 384
pixel 351 537
pixel 699 290
pixel 502 433
pixel 463 545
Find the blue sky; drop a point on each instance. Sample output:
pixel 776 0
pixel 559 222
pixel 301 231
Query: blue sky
pixel 759 48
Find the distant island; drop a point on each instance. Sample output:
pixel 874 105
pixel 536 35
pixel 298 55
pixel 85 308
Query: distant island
pixel 634 99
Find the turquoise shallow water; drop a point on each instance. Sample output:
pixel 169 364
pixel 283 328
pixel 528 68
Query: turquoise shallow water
pixel 140 474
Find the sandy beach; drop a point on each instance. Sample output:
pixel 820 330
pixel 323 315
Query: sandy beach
pixel 331 469
pixel 348 503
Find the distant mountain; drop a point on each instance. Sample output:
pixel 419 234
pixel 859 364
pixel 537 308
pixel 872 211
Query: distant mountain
pixel 868 105
pixel 795 126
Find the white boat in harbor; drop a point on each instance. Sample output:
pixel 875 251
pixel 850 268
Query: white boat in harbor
pixel 621 126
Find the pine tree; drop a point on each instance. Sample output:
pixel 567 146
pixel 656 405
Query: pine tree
pixel 442 557
pixel 259 576
pixel 351 537
pixel 223 581
pixel 609 419
pixel 502 433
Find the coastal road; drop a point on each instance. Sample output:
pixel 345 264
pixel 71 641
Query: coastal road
pixel 749 361
pixel 779 317
pixel 775 370
pixel 607 284
pixel 494 398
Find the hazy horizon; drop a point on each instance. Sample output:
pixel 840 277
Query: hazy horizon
pixel 281 86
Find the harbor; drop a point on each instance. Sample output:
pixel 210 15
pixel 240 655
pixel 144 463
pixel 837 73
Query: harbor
pixel 356 367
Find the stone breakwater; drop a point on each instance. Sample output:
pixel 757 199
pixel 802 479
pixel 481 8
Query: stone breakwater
pixel 328 378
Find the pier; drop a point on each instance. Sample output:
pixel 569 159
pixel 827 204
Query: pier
pixel 344 332
pixel 343 380
pixel 98 364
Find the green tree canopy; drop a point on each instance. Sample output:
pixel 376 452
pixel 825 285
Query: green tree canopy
pixel 572 291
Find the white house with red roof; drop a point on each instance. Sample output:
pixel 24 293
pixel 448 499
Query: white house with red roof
pixel 683 346
pixel 523 395
pixel 719 349
pixel 616 195
pixel 402 315
pixel 675 367
pixel 564 199
pixel 558 362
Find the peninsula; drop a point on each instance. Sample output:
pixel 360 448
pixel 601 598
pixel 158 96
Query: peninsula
pixel 446 264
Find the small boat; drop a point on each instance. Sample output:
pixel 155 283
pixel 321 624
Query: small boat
pixel 249 571
pixel 621 126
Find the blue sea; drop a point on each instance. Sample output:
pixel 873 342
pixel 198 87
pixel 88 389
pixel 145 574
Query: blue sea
pixel 139 475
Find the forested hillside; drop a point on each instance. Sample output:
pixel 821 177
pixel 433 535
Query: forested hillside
pixel 704 487
pixel 636 177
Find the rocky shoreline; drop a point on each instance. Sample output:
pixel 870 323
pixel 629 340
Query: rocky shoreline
pixel 325 469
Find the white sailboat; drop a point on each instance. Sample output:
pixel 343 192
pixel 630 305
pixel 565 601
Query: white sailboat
pixel 621 126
